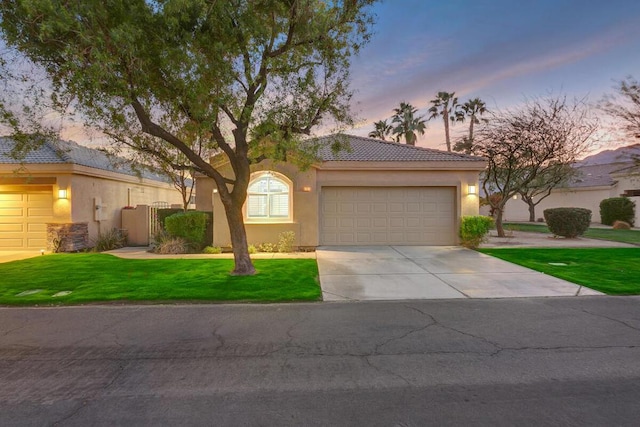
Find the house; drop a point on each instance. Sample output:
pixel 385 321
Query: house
pixel 77 190
pixel 373 193
pixel 612 173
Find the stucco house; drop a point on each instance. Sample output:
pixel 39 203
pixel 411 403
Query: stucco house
pixel 593 182
pixel 374 193
pixel 69 185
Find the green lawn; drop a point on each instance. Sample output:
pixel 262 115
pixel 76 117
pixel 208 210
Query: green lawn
pixel 624 236
pixel 106 278
pixel 614 271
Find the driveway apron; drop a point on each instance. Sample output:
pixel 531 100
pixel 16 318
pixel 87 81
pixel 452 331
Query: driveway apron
pixel 357 273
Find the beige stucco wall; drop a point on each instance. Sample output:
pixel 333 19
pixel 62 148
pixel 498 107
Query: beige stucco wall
pixel 306 204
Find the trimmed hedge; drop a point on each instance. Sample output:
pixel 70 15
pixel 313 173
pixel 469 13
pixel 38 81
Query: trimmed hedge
pixel 473 230
pixel 568 222
pixel 617 209
pixel 190 225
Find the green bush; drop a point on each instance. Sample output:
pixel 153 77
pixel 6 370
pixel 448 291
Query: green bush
pixel 267 247
pixel 286 239
pixel 252 249
pixel 190 225
pixel 568 222
pixel 212 250
pixel 473 230
pixel 617 209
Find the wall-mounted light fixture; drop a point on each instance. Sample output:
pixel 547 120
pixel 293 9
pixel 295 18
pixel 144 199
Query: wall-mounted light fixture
pixel 215 190
pixel 62 193
pixel 515 197
pixel 472 190
pixel 306 189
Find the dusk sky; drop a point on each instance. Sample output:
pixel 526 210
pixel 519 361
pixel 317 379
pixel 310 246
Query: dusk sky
pixel 502 51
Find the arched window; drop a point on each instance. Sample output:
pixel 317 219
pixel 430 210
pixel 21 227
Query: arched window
pixel 269 198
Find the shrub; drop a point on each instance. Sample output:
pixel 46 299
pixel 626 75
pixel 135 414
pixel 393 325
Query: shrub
pixel 107 241
pixel 172 245
pixel 617 209
pixel 164 213
pixel 621 225
pixel 568 222
pixel 286 239
pixel 473 230
pixel 252 249
pixel 267 247
pixel 190 226
pixel 212 250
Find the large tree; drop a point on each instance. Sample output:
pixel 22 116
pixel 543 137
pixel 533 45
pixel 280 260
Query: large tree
pixel 471 110
pixel 445 104
pixel 625 106
pixel 524 145
pixel 540 188
pixel 408 125
pixel 249 76
pixel 381 130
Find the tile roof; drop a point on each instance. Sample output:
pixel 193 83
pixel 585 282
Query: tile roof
pixel 67 152
pixel 596 175
pixel 361 149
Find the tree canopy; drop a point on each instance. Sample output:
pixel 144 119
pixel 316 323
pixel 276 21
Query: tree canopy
pixel 624 106
pixel 249 77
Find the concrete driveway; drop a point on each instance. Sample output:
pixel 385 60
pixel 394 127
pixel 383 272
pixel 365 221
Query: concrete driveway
pixel 429 272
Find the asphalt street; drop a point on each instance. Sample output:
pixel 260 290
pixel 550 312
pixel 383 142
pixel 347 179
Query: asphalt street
pixel 544 361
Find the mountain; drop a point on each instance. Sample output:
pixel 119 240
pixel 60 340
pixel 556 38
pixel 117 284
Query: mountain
pixel 619 155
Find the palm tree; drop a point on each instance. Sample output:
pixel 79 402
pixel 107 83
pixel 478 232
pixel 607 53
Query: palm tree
pixel 446 105
pixel 382 130
pixel 407 124
pixel 472 110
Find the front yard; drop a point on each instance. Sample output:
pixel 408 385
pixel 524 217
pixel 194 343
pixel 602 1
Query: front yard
pixel 614 271
pixel 85 278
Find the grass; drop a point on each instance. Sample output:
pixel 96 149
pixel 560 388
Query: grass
pixel 106 278
pixel 614 271
pixel 624 236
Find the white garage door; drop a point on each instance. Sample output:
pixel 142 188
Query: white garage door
pixel 388 216
pixel 23 219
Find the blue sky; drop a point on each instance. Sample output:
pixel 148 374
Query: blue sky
pixel 502 51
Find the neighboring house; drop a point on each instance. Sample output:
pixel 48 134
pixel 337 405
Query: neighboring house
pixel 374 193
pixel 592 184
pixel 66 183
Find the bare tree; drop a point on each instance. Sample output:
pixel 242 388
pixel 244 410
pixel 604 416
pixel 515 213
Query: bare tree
pixel 625 106
pixel 523 145
pixel 540 188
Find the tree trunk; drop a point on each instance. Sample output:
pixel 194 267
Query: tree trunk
pixel 244 266
pixel 532 210
pixel 471 131
pixel 499 228
pixel 445 116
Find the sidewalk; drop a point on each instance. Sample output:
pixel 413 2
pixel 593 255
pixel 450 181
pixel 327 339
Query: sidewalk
pixel 522 239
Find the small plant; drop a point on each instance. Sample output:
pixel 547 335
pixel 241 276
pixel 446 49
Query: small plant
pixel 621 225
pixel 568 222
pixel 617 209
pixel 109 240
pixel 212 250
pixel 473 230
pixel 252 249
pixel 267 247
pixel 172 245
pixel 286 239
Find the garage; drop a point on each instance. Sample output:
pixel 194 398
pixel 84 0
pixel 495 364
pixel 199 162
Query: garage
pixel 388 216
pixel 23 218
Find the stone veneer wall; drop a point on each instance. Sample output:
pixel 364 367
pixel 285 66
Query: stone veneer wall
pixel 69 237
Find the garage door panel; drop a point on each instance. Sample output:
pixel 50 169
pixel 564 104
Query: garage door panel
pixel 388 215
pixel 11 212
pixel 23 219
